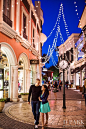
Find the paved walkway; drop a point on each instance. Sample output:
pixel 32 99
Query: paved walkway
pixel 19 115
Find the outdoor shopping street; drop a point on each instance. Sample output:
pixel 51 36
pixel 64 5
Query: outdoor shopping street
pixel 19 115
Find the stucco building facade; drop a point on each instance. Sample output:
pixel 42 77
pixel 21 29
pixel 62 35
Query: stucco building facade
pixel 21 41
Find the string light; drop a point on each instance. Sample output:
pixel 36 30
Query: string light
pixel 50 50
pixel 58 18
pixel 59 15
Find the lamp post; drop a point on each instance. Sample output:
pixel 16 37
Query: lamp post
pixel 64 106
pixel 63 64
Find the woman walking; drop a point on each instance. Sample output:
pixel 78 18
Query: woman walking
pixel 44 105
pixel 55 89
pixel 84 91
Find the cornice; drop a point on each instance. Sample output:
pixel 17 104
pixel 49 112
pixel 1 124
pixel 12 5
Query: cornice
pixel 79 62
pixel 7 30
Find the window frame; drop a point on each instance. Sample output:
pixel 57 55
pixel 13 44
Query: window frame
pixel 26 14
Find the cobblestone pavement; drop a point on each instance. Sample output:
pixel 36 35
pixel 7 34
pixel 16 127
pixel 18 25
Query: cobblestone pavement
pixel 19 115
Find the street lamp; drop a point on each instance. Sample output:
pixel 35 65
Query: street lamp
pixel 63 64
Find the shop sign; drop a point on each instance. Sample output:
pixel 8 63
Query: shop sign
pixel 34 61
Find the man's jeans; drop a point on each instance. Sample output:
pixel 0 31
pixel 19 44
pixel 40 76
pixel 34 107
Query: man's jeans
pixel 85 98
pixel 35 110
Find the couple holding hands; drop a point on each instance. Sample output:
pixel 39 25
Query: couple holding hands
pixel 39 102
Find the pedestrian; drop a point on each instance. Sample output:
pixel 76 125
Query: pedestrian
pixel 44 105
pixel 35 90
pixel 19 87
pixel 55 89
pixel 60 84
pixel 84 91
pixel 49 85
pixel 67 84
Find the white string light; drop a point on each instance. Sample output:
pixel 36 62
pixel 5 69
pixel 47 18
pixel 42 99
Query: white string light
pixel 55 37
pixel 76 9
pixel 50 50
pixel 56 22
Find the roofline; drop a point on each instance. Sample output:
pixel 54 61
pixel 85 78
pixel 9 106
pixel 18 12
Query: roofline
pixel 71 36
pixel 81 16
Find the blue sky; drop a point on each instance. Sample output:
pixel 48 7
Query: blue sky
pixel 50 12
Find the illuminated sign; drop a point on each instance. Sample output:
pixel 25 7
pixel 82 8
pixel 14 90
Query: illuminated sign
pixel 34 61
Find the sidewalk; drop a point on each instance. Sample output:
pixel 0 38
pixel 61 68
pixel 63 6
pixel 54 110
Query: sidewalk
pixel 19 115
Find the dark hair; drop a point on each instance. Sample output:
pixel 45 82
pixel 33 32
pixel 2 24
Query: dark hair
pixel 38 79
pixel 55 82
pixel 46 89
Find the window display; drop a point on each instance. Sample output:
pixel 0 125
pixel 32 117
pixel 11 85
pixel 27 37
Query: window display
pixel 1 84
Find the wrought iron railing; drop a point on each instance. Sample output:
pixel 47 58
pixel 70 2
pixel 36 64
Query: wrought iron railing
pixel 7 20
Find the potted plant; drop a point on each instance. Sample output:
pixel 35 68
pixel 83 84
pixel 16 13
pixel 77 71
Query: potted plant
pixel 24 96
pixel 2 103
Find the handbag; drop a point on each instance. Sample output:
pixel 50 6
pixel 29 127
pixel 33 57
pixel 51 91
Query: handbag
pixel 54 90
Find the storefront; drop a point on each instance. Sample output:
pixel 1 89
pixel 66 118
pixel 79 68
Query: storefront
pixel 1 80
pixel 18 45
pixel 34 71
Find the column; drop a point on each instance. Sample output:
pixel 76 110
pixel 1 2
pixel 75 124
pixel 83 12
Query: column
pixel 69 74
pixel 15 84
pixel 77 79
pixel 85 71
pixel 1 10
pixel 27 86
pixel 81 78
pixel 30 26
pixel 24 80
pixel 74 79
pixel 12 12
pixel 11 75
pixel 18 16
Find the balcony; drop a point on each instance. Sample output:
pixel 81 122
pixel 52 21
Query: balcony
pixel 7 20
pixel 24 35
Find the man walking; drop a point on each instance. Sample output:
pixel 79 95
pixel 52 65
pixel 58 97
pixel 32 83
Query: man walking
pixel 35 90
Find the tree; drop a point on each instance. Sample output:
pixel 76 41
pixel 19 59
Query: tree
pixel 55 71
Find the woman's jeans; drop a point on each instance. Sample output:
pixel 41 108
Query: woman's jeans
pixel 35 110
pixel 85 99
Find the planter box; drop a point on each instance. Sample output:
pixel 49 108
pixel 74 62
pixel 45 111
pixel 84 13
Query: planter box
pixel 80 88
pixel 24 98
pixel 77 87
pixel 2 106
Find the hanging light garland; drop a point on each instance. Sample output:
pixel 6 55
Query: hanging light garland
pixel 54 38
pixel 50 50
pixel 58 18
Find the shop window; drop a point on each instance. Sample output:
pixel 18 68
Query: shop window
pixel 24 26
pixel 7 12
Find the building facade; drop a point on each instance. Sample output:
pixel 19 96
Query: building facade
pixel 74 51
pixel 21 41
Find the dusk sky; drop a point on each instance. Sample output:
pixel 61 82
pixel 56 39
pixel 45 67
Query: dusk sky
pixel 50 12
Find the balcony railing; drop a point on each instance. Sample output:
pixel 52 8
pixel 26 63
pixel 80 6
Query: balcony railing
pixel 24 35
pixel 7 20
